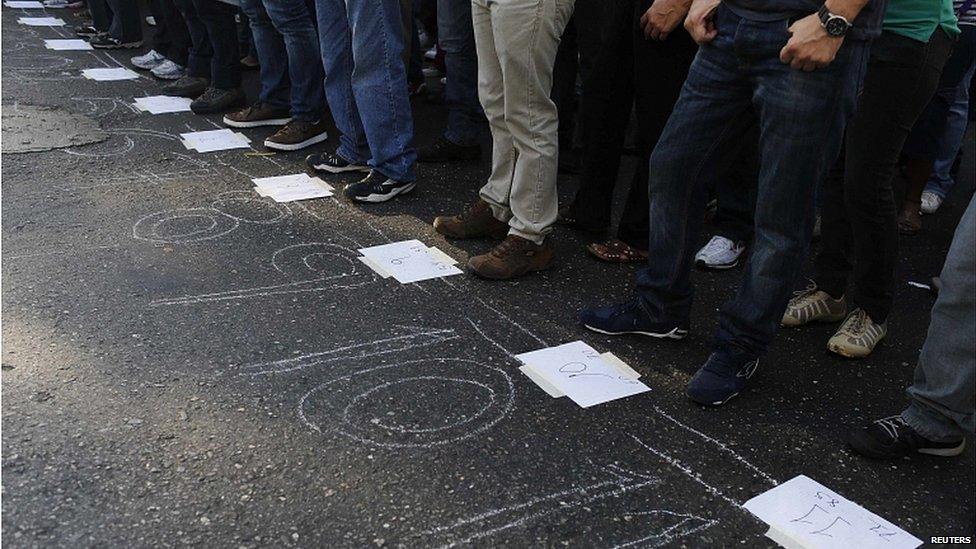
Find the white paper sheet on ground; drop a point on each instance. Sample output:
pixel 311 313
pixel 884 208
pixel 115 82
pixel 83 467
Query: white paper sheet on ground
pixel 409 261
pixel 554 392
pixel 71 44
pixel 41 21
pixel 581 373
pixel 24 5
pixel 162 104
pixel 803 513
pixel 106 74
pixel 288 188
pixel 215 140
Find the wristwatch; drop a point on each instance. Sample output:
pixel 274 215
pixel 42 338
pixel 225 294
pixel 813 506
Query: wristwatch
pixel 835 25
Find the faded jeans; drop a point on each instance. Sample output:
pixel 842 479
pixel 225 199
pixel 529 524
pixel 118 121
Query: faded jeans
pixel 942 404
pixel 287 45
pixel 362 47
pixel 456 36
pixel 516 42
pixel 734 79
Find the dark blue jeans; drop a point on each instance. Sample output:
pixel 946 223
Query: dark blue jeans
pixel 366 83
pixel 801 117
pixel 213 36
pixel 465 118
pixel 287 45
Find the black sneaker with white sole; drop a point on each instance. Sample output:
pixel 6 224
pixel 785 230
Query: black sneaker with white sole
pixel 892 438
pixel 332 163
pixel 377 187
pixel 106 42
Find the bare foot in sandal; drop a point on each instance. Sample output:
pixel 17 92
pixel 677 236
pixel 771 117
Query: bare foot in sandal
pixel 617 251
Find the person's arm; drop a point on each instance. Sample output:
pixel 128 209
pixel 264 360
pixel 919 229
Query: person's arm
pixel 662 18
pixel 810 47
pixel 700 22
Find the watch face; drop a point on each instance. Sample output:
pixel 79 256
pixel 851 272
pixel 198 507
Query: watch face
pixel 836 26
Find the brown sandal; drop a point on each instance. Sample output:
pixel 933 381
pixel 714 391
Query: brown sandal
pixel 617 251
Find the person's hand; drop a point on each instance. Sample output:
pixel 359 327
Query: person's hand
pixel 700 22
pixel 663 17
pixel 810 47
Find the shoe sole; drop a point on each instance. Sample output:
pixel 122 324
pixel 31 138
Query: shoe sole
pixel 335 170
pixel 499 235
pixel 944 452
pixel 712 404
pixel 256 123
pixel 216 110
pixel 837 350
pixel 676 333
pixel 377 198
pixel 122 46
pixel 145 67
pixel 724 267
pixel 296 146
pixel 170 77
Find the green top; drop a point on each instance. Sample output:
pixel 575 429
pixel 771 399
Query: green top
pixel 918 19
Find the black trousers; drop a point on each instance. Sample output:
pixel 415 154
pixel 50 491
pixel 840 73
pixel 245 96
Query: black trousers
pixel 119 18
pixel 171 38
pixel 630 73
pixel 213 35
pixel 577 55
pixel 859 227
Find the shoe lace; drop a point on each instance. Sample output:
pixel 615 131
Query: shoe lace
pixel 471 211
pixel 210 93
pixel 718 244
pixel 511 244
pixel 855 322
pixel 801 296
pixel 892 424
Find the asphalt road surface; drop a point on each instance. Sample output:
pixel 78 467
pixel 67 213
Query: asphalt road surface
pixel 186 363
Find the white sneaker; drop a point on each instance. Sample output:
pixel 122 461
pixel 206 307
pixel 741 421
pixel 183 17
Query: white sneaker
pixel 61 4
pixel 930 202
pixel 148 61
pixel 150 20
pixel 431 54
pixel 720 253
pixel 168 70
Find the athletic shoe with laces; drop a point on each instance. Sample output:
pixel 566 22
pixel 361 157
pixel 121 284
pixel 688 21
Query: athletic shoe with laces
pixel 148 60
pixel 296 135
pixel 477 221
pixel 930 202
pixel 630 318
pixel 813 305
pixel 511 258
pixel 332 163
pixel 857 336
pixel 377 187
pixel 720 253
pixel 187 86
pixel 892 438
pixel 216 100
pixel 722 377
pixel 87 31
pixel 169 70
pixel 62 4
pixel 256 115
pixel 107 42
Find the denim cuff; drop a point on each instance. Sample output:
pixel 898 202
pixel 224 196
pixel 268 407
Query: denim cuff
pixel 931 424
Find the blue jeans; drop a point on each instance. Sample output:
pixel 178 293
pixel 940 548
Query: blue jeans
pixel 801 117
pixel 955 129
pixel 285 40
pixel 942 394
pixel 366 83
pixel 465 118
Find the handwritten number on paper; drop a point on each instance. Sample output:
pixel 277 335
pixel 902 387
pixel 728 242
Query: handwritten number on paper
pixel 823 531
pixel 804 520
pixel 831 500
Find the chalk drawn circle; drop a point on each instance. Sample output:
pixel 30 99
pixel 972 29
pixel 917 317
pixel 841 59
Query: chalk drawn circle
pixel 244 206
pixel 183 226
pixel 365 407
pixel 127 145
pixel 320 260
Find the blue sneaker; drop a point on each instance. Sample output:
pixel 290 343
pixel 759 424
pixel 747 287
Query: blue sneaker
pixel 630 318
pixel 721 378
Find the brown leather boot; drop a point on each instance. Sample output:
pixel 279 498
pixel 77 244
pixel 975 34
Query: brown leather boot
pixel 475 222
pixel 513 257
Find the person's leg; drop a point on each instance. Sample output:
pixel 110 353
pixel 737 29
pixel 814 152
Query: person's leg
pixel 177 34
pixel 711 113
pixel 101 14
pixel 736 194
pixel 161 33
pixel 379 84
pixel 275 86
pixel 660 69
pixel 335 41
pixel 526 39
pixel 901 78
pixel 955 129
pixel 563 88
pixel 834 263
pixel 456 36
pixel 941 396
pixel 218 18
pixel 605 112
pixel 126 21
pixel 802 117
pixel 294 21
pixel 200 54
pixel 491 93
